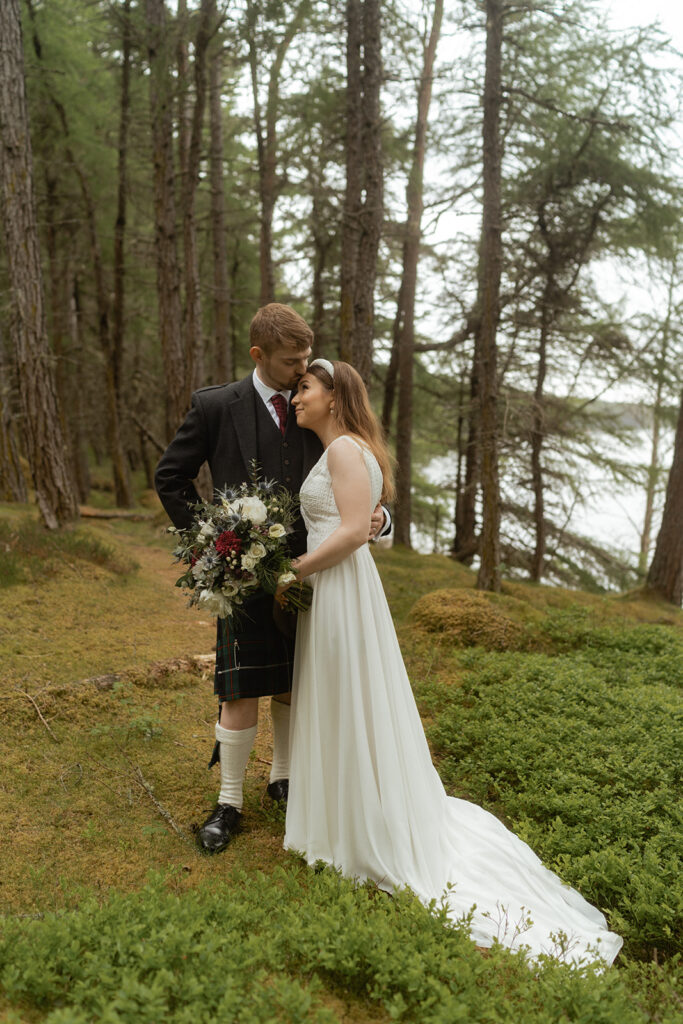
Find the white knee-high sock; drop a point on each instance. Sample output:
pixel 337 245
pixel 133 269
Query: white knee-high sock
pixel 280 715
pixel 236 746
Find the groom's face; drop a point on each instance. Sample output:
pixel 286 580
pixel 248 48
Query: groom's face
pixel 281 368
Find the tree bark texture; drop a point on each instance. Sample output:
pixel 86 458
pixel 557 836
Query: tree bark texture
pixel 322 244
pixel 124 495
pixel 666 571
pixel 538 432
pixel 78 439
pixel 364 196
pixel 177 386
pixel 407 292
pixel 465 541
pixel 190 123
pixel 653 468
pixel 44 440
pixel 488 577
pixel 222 350
pixel 12 482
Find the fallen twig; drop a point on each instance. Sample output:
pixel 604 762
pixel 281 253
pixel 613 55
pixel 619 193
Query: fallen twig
pixel 166 815
pixel 87 512
pixel 40 714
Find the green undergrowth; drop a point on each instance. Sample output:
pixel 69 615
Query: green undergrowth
pixel 580 753
pixel 31 553
pixel 296 946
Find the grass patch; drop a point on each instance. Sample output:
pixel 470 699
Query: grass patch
pixel 31 553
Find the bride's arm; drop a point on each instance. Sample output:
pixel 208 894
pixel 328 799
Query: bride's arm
pixel 351 489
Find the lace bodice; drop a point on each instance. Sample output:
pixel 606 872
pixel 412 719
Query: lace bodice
pixel 318 506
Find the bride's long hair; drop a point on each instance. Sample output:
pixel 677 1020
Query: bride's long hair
pixel 353 414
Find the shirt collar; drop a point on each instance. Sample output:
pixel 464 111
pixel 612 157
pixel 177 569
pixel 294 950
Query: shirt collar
pixel 267 393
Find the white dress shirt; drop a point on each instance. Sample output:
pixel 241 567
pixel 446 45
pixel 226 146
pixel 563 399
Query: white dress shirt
pixel 266 394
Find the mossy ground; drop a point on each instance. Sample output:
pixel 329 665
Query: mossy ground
pixel 107 720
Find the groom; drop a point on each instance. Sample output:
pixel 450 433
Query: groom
pixel 229 426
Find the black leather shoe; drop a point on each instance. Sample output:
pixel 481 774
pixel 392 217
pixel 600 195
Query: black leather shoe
pixel 278 790
pixel 219 828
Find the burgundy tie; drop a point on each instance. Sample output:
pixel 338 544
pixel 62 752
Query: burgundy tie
pixel 279 403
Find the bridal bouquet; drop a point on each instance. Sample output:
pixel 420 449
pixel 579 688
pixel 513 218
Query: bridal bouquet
pixel 236 546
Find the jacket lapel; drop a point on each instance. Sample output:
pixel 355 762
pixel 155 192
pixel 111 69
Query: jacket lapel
pixel 243 412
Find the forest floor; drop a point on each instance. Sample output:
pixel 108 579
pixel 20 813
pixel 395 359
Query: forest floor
pixel 106 730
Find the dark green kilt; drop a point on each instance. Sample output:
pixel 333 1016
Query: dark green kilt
pixel 253 659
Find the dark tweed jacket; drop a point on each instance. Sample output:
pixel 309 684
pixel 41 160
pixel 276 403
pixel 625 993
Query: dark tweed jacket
pixel 228 426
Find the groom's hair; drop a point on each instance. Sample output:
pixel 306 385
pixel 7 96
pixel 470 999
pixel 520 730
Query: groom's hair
pixel 276 325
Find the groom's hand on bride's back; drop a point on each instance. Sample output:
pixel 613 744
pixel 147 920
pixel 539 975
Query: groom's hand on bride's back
pixel 377 522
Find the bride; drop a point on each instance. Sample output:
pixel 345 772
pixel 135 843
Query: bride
pixel 364 795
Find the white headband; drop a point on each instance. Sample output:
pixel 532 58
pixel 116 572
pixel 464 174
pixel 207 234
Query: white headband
pixel 326 365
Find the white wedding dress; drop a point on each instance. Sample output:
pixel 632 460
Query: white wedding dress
pixel 364 794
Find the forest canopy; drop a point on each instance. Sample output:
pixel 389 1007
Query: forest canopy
pixel 478 204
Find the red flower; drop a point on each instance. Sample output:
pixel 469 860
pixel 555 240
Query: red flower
pixel 228 543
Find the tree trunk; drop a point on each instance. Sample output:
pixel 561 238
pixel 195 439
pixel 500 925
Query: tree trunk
pixel 406 317
pixel 266 136
pixel 124 495
pixel 391 376
pixel 222 351
pixel 44 439
pixel 372 211
pixel 538 432
pixel 177 389
pixel 488 577
pixel 189 147
pixel 354 179
pixel 653 468
pixel 465 542
pixel 79 454
pixel 322 243
pixel 12 482
pixel 364 197
pixel 666 571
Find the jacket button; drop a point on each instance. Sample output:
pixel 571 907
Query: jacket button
pixel 285 444
pixel 286 462
pixel 288 479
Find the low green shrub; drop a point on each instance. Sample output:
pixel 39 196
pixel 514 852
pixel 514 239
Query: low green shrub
pixel 276 949
pixel 581 755
pixel 30 552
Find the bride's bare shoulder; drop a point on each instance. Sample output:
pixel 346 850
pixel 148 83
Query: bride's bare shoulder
pixel 344 452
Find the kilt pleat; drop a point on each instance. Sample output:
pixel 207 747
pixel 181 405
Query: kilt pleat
pixel 253 658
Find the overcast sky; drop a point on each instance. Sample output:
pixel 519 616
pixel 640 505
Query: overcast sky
pixel 625 13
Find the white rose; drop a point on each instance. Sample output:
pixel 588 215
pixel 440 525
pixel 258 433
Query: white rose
pixel 208 530
pixel 285 578
pixel 199 568
pixel 248 561
pixel 216 604
pixel 276 530
pixel 252 509
pixel 257 550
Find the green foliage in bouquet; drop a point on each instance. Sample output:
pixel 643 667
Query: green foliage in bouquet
pixel 237 546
